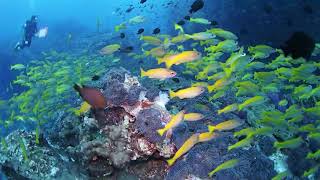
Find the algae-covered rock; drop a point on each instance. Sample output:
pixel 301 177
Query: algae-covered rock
pixel 39 162
pixel 148 122
pixel 205 157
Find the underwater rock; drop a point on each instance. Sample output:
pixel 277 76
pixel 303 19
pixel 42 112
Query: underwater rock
pixel 134 94
pixel 103 141
pixel 298 156
pixel 120 88
pixel 148 122
pixel 152 93
pixel 204 157
pixel 115 93
pixel 123 132
pixel 266 145
pixel 110 116
pixel 64 132
pixel 153 169
pixel 38 162
pixel 115 74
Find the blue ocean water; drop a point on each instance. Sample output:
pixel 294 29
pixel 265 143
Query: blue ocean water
pixel 257 22
pixel 254 22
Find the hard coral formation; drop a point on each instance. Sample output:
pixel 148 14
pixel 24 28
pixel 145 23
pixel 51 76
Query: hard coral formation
pixel 148 122
pixel 203 157
pixel 42 163
pixel 125 131
pixel 100 142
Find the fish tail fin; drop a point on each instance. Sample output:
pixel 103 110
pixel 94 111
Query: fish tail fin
pixel 177 27
pixel 147 53
pixel 171 161
pixel 211 173
pixel 211 128
pixel 77 112
pixel 161 131
pixel 210 88
pixel 160 60
pixel 172 94
pixel 240 107
pixel 168 64
pixel 219 112
pixel 228 71
pixel 188 36
pixel 276 145
pixel 143 73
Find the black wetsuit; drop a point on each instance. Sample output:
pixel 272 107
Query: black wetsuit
pixel 30 29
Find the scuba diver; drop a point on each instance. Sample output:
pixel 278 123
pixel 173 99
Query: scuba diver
pixel 30 30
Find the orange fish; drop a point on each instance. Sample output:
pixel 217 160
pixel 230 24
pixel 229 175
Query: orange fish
pixel 92 96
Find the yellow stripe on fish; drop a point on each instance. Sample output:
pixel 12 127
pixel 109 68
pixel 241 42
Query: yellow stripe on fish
pixel 230 108
pixel 190 92
pixel 176 59
pixel 207 136
pixel 159 73
pixel 226 125
pixel 174 122
pixel 193 116
pixel 194 139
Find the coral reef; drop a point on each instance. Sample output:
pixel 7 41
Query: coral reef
pixel 101 142
pixel 253 163
pixel 42 162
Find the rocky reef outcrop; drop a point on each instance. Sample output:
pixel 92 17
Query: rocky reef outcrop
pixel 121 142
pixel 103 141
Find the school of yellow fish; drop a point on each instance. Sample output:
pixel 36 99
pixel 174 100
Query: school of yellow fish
pixel 246 76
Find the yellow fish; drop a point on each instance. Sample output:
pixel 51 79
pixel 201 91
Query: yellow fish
pixel 201 36
pixel 174 122
pixel 17 67
pixel 156 52
pixel 178 27
pixel 151 40
pixel 291 143
pixel 207 136
pixel 244 142
pixel 230 108
pixel 194 139
pixel 84 108
pixel 159 73
pixel 200 21
pixel 226 165
pixel 252 101
pixel 190 92
pixel 180 48
pixel 176 59
pixel 202 84
pixel 193 116
pixel 179 39
pixel 225 46
pixel 218 84
pixel 120 26
pixel 110 49
pixel 136 20
pixel 226 125
pixel 223 33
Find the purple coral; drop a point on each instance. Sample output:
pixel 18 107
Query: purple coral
pixel 148 122
pixel 115 93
